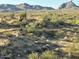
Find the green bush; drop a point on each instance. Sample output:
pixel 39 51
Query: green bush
pixel 30 27
pixel 49 55
pixel 44 55
pixel 33 56
pixel 74 22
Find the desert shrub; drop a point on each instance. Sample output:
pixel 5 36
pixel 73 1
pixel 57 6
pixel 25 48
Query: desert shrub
pixel 40 25
pixel 53 21
pixel 4 42
pixel 71 49
pixel 44 55
pixel 23 14
pixel 49 55
pixel 50 34
pixel 74 22
pixel 75 40
pixel 33 56
pixel 58 23
pixel 61 22
pixel 30 27
pixel 46 20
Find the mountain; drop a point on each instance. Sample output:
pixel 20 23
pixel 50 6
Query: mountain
pixel 22 7
pixel 25 6
pixel 8 7
pixel 68 5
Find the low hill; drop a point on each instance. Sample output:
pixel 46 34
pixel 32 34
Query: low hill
pixel 21 7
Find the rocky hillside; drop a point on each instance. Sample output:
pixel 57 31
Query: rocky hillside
pixel 68 5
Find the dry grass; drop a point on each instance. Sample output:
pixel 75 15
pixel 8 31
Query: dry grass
pixel 4 42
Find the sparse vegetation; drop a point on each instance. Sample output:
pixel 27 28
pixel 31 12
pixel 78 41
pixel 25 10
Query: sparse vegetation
pixel 44 55
pixel 41 35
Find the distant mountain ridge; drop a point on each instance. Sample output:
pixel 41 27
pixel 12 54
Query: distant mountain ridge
pixel 68 5
pixel 25 6
pixel 22 7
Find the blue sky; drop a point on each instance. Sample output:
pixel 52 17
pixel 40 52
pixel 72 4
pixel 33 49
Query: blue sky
pixel 49 3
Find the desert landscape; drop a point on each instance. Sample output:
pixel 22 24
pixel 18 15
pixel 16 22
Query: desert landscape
pixel 36 32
